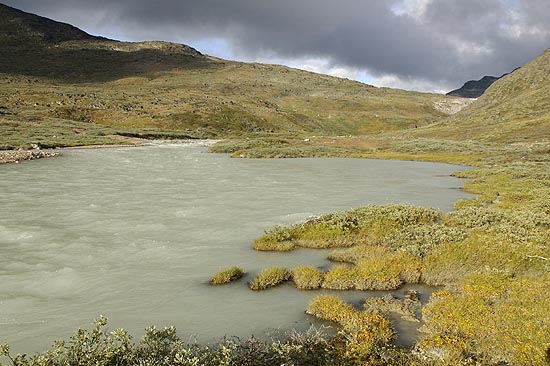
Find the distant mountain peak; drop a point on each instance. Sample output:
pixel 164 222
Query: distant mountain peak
pixel 474 88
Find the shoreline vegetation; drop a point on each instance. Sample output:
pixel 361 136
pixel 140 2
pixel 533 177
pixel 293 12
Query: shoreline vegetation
pixel 491 254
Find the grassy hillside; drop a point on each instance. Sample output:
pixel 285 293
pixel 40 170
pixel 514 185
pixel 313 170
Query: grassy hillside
pixel 56 80
pixel 515 108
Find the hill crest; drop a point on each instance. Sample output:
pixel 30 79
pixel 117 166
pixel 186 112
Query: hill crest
pixel 17 25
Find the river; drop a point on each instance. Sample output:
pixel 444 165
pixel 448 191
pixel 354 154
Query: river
pixel 135 234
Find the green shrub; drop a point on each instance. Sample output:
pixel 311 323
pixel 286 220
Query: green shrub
pixel 278 239
pixel 307 277
pixel 270 277
pixel 227 275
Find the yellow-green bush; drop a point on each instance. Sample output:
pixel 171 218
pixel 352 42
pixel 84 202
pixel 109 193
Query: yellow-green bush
pixel 493 317
pixel 357 253
pixel 364 332
pixel 307 277
pixel 227 275
pixel 270 277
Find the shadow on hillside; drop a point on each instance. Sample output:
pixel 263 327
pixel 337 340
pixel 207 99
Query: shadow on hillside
pixel 94 65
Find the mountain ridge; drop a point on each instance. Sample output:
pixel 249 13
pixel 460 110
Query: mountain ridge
pixel 474 88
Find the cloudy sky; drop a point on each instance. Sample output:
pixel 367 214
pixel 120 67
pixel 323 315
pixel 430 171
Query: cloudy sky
pixel 428 45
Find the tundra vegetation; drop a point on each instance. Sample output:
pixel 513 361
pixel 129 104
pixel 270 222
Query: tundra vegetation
pixel 227 275
pixel 491 255
pixel 270 277
pixel 307 277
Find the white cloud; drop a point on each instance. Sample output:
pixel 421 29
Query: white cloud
pixel 412 8
pixel 421 85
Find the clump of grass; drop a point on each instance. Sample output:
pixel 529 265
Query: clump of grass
pixel 368 224
pixel 227 275
pixel 375 268
pixel 278 239
pixel 331 308
pixel 364 332
pixel 307 277
pixel 340 277
pixel 501 247
pixel 270 277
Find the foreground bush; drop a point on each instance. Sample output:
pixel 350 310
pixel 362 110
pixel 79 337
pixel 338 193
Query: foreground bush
pixel 270 277
pixel 307 277
pixel 162 347
pixel 227 275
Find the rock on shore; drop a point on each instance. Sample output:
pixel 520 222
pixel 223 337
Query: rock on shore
pixel 17 156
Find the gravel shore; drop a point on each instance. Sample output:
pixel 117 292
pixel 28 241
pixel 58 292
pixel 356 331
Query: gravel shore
pixel 18 156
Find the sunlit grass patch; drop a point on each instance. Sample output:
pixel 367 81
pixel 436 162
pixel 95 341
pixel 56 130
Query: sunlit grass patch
pixel 356 253
pixel 374 268
pixel 307 277
pixel 227 275
pixel 493 317
pixel 368 224
pixel 482 249
pixel 270 277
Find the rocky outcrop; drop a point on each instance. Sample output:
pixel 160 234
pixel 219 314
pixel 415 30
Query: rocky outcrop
pixel 18 156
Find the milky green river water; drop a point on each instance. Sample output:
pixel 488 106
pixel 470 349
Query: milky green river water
pixel 135 234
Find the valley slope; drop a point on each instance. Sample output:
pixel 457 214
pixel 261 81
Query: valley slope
pixel 63 87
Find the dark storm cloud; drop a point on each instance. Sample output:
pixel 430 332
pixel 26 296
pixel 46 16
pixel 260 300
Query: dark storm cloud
pixel 441 41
